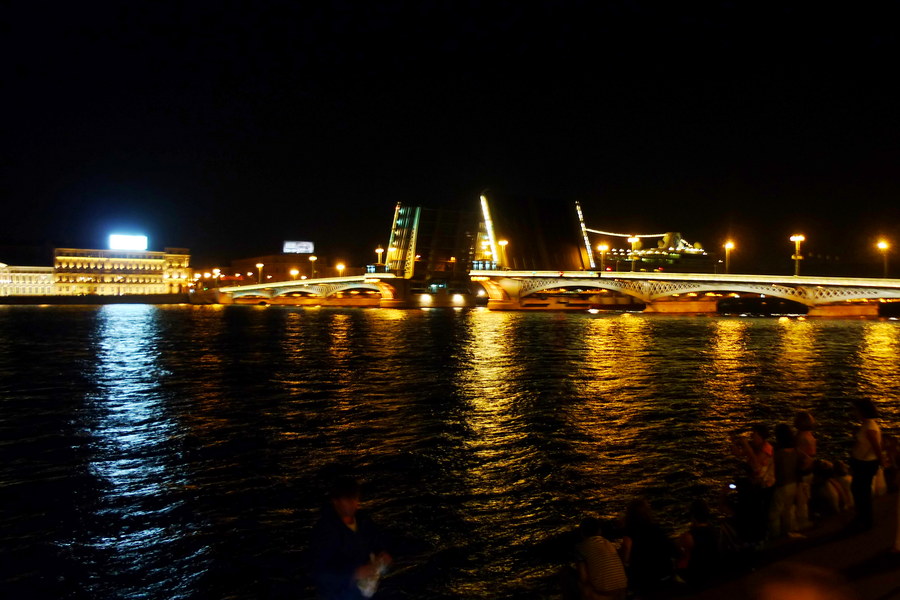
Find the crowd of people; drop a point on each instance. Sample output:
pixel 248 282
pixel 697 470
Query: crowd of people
pixel 782 489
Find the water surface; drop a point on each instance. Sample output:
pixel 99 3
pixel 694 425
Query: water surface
pixel 181 452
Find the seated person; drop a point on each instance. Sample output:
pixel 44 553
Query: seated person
pixel 601 575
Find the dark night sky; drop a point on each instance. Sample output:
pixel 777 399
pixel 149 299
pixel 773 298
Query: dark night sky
pixel 229 127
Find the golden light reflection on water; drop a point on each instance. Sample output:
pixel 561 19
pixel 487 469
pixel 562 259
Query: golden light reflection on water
pixel 727 377
pixel 879 373
pixel 798 359
pixel 614 378
pixel 486 384
pixel 613 368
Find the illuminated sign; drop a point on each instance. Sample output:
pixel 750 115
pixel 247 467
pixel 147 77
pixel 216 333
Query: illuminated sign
pixel 127 242
pixel 299 248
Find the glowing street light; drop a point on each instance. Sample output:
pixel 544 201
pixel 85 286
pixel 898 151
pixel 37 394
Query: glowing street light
pixel 340 268
pixel 633 240
pixel 312 265
pixel 294 273
pixel 216 274
pixel 797 238
pixel 884 247
pixel 602 248
pixel 378 252
pixel 502 257
pixel 729 246
pixel 259 267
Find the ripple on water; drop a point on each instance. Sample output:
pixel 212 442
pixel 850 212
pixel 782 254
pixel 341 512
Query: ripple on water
pixel 182 452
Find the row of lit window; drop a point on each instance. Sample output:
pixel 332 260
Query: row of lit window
pixel 116 266
pixel 101 279
pixel 16 278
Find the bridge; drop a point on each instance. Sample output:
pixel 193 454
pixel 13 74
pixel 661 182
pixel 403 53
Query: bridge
pixel 440 258
pixel 580 290
pixel 385 290
pixel 680 292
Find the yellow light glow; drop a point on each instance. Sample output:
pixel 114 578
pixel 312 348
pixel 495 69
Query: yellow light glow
pixel 458 299
pixel 729 245
pixel 425 299
pixel 797 237
pixel 883 245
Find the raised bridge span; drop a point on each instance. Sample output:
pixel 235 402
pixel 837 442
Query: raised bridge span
pixel 530 290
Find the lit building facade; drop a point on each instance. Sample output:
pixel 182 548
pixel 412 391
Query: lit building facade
pixel 118 272
pixel 26 281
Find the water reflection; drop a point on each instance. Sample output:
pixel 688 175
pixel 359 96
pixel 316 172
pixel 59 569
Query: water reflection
pixel 133 461
pixel 613 378
pixel 481 435
pixel 728 375
pixel 797 358
pixel 879 372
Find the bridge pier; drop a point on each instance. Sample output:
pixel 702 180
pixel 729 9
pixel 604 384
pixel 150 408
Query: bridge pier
pixel 869 309
pixel 706 305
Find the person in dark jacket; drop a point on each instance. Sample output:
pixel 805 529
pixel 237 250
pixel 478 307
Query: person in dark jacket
pixel 348 550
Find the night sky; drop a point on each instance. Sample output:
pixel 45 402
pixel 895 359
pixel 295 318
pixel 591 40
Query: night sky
pixel 229 127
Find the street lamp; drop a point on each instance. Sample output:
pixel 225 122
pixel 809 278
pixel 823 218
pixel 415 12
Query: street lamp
pixel 602 248
pixel 216 274
pixel 294 273
pixel 378 252
pixel 797 238
pixel 259 267
pixel 340 268
pixel 312 266
pixel 634 240
pixel 884 247
pixel 729 246
pixel 502 257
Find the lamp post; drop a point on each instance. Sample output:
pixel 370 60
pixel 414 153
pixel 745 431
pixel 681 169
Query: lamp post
pixel 294 272
pixel 259 268
pixel 884 247
pixel 502 257
pixel 312 266
pixel 340 269
pixel 634 240
pixel 797 238
pixel 729 246
pixel 602 248
pixel 216 274
pixel 378 252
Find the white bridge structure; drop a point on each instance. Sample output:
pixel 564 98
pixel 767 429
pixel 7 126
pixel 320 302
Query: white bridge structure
pixel 681 292
pixel 580 290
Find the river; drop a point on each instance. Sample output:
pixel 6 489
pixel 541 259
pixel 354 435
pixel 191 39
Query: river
pixel 167 452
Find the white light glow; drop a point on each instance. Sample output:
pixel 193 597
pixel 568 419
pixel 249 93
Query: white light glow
pixel 127 242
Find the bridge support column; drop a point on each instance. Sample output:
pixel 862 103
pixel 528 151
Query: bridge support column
pixel 503 304
pixel 682 306
pixel 869 309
